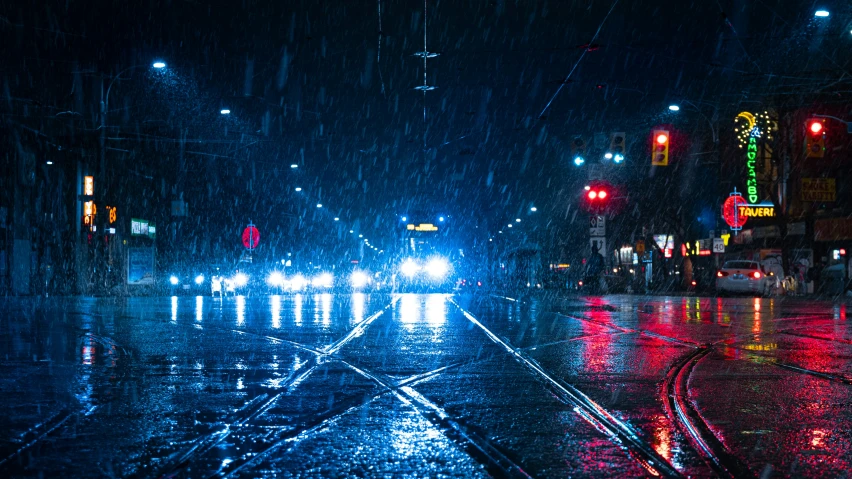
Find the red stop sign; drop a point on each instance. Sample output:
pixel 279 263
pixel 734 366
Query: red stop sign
pixel 251 237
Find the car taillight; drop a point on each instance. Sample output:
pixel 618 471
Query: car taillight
pixel 722 274
pixel 756 275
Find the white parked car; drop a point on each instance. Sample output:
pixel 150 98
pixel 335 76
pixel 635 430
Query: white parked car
pixel 744 277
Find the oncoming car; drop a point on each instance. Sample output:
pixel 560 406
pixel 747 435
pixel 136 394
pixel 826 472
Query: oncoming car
pixel 427 274
pixel 743 277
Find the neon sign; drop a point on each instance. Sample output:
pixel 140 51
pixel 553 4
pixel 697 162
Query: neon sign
pixel 731 213
pixel 751 160
pixel 756 211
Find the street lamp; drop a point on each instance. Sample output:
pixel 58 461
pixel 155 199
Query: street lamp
pixel 821 13
pixel 225 111
pixel 533 209
pixel 159 65
pixel 676 108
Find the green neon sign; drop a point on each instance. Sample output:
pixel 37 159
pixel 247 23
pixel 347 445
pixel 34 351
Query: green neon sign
pixel 751 161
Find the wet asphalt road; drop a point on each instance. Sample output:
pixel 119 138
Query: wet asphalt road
pixel 355 385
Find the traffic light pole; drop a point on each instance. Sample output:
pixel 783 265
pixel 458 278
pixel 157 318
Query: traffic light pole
pixel 848 123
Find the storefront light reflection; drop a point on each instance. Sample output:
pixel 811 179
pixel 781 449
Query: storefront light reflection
pixel 297 309
pixel 199 308
pixel 358 300
pixel 436 310
pixel 326 309
pixel 241 310
pixel 316 299
pixel 409 310
pixel 174 308
pixel 276 311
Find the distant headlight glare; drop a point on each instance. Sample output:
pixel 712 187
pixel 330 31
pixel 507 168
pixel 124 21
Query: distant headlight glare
pixel 437 268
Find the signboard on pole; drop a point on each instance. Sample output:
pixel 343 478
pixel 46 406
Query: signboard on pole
pixel 138 227
pixel 822 190
pixel 140 266
pixel 597 225
pixel 718 245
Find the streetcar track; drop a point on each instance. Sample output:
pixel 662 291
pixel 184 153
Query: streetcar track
pixel 729 342
pixel 49 426
pixel 834 340
pixel 207 442
pixel 617 430
pixel 680 411
pixel 477 447
pixel 759 359
pixel 56 422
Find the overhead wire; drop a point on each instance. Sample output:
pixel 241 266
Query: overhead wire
pixel 577 63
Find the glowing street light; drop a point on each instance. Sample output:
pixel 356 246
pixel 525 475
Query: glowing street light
pixel 821 13
pixel 159 65
pixel 294 166
pixel 298 188
pixel 319 205
pixel 533 209
pixel 225 112
pixel 674 108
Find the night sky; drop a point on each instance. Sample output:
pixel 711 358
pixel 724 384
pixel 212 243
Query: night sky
pixel 321 84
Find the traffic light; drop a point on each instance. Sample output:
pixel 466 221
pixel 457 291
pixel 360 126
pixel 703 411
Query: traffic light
pixel 597 195
pixel 660 148
pixel 616 147
pixel 578 152
pixel 815 138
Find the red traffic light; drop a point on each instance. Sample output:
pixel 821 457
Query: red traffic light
pixel 815 127
pixel 662 138
pixel 597 194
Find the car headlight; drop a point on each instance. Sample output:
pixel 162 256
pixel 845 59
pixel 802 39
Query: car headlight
pixel 324 280
pixel 240 279
pixel 437 268
pixel 298 282
pixel 409 268
pixel 359 279
pixel 199 279
pixel 275 279
pixel 174 280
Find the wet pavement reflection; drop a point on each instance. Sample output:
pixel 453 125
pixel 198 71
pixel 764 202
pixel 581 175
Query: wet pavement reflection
pixel 328 385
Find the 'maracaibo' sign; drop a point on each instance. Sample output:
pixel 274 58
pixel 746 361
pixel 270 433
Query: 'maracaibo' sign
pixel 756 211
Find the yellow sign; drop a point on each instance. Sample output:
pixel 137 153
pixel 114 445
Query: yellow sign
pixel 112 214
pixel 89 185
pixel 422 227
pixel 725 238
pixel 756 211
pixel 88 208
pixel 819 189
